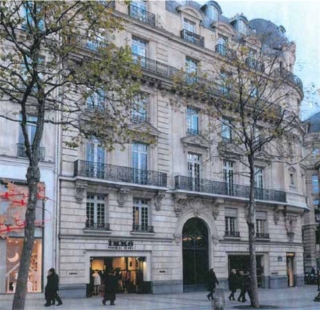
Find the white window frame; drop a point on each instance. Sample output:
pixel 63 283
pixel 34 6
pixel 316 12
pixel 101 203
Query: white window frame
pixel 140 110
pixel 226 132
pixel 98 203
pixel 231 220
pixel 315 184
pixel 31 126
pixel 192 121
pixel 213 12
pixel 96 100
pixel 189 25
pixel 228 175
pixel 261 222
pixel 141 214
pixel 139 50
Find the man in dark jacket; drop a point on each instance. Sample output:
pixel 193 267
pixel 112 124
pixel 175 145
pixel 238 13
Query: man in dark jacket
pixel 51 289
pixel 110 288
pixel 212 281
pixel 233 284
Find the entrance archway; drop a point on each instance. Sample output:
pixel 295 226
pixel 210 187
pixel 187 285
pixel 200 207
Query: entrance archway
pixel 195 255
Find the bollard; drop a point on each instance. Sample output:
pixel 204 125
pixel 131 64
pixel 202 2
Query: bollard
pixel 218 302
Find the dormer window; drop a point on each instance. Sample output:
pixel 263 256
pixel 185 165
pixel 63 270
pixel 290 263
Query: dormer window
pixel 212 12
pixel 242 27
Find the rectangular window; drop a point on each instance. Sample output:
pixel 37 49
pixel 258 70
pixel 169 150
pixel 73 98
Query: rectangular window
pixel 225 83
pixel 138 10
pixel 192 121
pixel 31 126
pixel 140 163
pixel 191 69
pixel 139 110
pixel 226 131
pixel 96 212
pixel 141 215
pixel 194 165
pixel 32 21
pixel 139 51
pixel 95 157
pixel 228 176
pixel 96 100
pixel 189 25
pixel 261 224
pixel 231 223
pixel 258 182
pixel 315 184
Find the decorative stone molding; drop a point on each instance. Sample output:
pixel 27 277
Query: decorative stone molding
pixel 184 203
pixel 179 202
pixel 276 214
pixel 80 190
pixel 197 141
pixel 158 200
pixel 122 194
pixel 290 224
pixel 216 207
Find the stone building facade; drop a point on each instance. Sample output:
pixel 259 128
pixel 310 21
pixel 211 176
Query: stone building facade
pixel 311 234
pixel 139 211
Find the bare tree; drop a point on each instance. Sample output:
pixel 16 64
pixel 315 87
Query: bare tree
pixel 251 99
pixel 58 64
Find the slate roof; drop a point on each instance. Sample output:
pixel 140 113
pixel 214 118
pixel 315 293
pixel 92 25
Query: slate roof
pixel 314 123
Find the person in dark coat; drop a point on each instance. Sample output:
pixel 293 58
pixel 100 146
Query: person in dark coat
pixel 110 288
pixel 212 281
pixel 245 287
pixel 233 284
pixel 51 289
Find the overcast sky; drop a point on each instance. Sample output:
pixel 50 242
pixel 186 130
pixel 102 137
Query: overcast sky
pixel 301 21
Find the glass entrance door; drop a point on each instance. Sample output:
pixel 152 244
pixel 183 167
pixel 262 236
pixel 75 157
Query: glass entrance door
pixel 195 255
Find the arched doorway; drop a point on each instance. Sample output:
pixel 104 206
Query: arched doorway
pixel 195 255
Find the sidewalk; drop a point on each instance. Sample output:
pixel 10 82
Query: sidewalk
pixel 285 299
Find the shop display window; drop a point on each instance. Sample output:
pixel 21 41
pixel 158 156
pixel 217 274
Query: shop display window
pixel 13 255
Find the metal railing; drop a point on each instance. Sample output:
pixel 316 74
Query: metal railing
pixel 290 77
pixel 193 131
pixel 139 118
pixel 225 51
pixel 262 236
pixel 232 234
pixel 97 226
pixel 21 151
pixel 227 189
pixel 142 15
pixel 255 64
pixel 119 173
pixel 143 228
pixel 192 37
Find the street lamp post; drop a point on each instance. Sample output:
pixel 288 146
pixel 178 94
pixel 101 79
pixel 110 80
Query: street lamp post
pixel 317 214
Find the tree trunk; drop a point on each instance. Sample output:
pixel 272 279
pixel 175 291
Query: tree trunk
pixel 252 241
pixel 33 178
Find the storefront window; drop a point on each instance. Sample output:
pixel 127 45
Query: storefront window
pixel 13 203
pixel 13 255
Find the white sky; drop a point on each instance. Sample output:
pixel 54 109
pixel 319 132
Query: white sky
pixel 301 21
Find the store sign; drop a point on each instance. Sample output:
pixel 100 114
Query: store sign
pixel 120 245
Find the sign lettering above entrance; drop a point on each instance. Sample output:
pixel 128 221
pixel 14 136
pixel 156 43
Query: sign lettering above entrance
pixel 120 245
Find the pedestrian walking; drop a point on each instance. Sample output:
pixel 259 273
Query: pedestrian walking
pixel 233 284
pixel 96 282
pixel 245 287
pixel 110 288
pixel 52 288
pixel 212 282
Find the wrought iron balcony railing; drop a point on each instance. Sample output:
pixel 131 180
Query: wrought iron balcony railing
pixel 235 234
pixel 135 118
pixel 290 77
pixel 193 131
pixel 227 189
pixel 225 51
pixel 255 64
pixel 97 226
pixel 21 151
pixel 262 236
pixel 192 37
pixel 119 173
pixel 142 228
pixel 142 15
